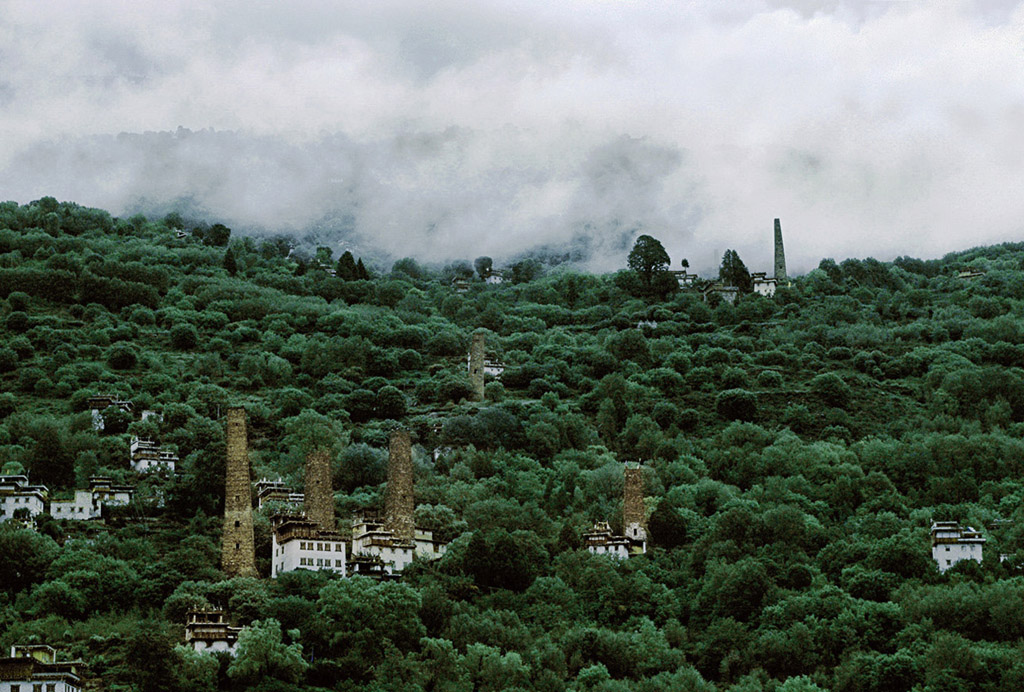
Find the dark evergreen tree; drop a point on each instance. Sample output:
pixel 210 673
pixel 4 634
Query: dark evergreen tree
pixel 229 263
pixel 734 273
pixel 361 272
pixel 647 258
pixel 346 268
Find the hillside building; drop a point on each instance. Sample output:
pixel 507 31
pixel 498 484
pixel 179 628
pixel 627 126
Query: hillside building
pixel 268 491
pixel 209 631
pixel 727 293
pixel 684 278
pixel 395 541
pixel 310 540
pixel 88 504
pixel 600 540
pixel 495 276
pixel 952 543
pixel 35 668
pixel 371 539
pixel 147 456
pixel 763 284
pixel 969 274
pixel 300 543
pixel 17 494
pixel 98 403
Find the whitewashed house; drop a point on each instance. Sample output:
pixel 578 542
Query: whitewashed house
pixel 952 543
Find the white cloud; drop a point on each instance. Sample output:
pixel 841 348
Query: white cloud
pixel 462 128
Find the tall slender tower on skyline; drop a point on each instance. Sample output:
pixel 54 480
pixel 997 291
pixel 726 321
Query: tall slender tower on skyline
pixel 780 254
pixel 319 499
pixel 399 504
pixel 238 551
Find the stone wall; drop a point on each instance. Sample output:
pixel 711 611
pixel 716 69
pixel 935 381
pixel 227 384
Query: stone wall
pixel 633 510
pixel 780 254
pixel 319 501
pixel 399 504
pixel 477 351
pixel 238 552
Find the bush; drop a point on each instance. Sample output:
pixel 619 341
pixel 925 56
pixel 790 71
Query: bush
pixel 18 301
pixel 831 389
pixel 769 379
pixel 184 337
pixel 18 322
pixel 736 404
pixel 122 356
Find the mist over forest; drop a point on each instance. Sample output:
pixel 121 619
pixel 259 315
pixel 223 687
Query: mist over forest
pixel 435 196
pixel 455 129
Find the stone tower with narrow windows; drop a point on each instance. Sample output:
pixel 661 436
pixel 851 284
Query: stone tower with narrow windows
pixel 477 354
pixel 780 254
pixel 238 552
pixel 399 504
pixel 319 497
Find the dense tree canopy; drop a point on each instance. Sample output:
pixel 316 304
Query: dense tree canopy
pixel 795 450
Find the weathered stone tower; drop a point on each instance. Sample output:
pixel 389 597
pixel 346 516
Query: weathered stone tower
pixel 634 513
pixel 238 552
pixel 398 498
pixel 477 350
pixel 780 254
pixel 319 500
pixel 633 510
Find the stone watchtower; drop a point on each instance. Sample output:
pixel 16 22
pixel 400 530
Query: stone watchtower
pixel 398 494
pixel 477 350
pixel 238 552
pixel 633 510
pixel 780 254
pixel 319 499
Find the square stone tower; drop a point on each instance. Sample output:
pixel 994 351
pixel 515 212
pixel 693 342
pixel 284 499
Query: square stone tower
pixel 399 504
pixel 633 509
pixel 319 498
pixel 238 552
pixel 477 353
pixel 780 254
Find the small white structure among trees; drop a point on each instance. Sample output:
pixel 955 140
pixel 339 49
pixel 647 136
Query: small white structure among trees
pixel 952 543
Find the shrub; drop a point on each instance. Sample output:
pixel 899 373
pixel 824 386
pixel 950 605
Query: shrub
pixel 736 404
pixel 184 337
pixel 122 356
pixel 831 389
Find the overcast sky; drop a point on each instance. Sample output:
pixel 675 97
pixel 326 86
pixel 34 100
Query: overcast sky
pixel 455 129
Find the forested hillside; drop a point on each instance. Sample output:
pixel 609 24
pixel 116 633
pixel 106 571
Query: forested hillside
pixel 796 448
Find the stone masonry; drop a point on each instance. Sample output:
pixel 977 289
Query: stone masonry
pixel 238 553
pixel 398 495
pixel 780 254
pixel 477 351
pixel 319 500
pixel 633 510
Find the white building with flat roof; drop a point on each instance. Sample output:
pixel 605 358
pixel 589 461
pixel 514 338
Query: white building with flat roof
pixel 88 504
pixel 298 543
pixel 370 539
pixel 16 494
pixel 952 543
pixel 763 284
pixel 209 631
pixel 601 541
pixel 35 668
pixel 148 456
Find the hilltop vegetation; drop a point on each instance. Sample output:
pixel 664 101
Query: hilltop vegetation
pixel 797 449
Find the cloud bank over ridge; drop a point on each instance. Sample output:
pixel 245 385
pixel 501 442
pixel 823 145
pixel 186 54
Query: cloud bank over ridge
pixel 453 129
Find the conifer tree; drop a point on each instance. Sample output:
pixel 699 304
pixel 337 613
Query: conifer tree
pixel 229 263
